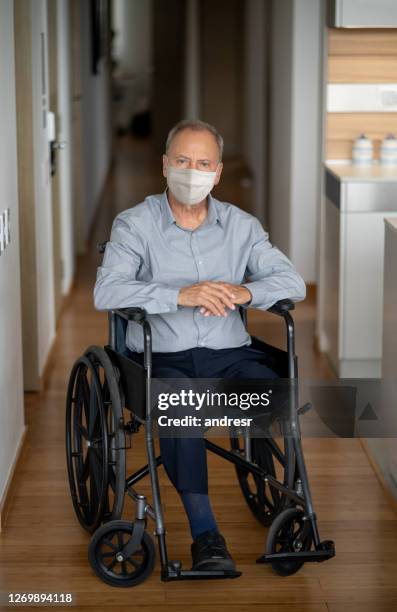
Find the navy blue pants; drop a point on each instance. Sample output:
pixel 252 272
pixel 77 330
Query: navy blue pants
pixel 185 459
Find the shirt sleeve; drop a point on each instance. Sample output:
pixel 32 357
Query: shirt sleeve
pixel 270 274
pixel 116 283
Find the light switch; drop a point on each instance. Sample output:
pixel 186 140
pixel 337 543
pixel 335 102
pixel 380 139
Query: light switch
pixel 7 232
pixel 51 132
pixel 388 97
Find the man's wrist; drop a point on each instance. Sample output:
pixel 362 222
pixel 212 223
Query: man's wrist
pixel 248 301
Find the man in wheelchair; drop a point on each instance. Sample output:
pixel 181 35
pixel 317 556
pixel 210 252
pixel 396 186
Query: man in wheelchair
pixel 191 262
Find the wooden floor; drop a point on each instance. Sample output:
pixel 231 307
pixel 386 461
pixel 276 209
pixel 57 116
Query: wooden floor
pixel 43 548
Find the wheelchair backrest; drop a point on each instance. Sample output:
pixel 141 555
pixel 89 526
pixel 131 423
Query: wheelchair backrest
pixel 120 326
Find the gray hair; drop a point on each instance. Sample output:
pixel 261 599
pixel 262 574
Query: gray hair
pixel 198 126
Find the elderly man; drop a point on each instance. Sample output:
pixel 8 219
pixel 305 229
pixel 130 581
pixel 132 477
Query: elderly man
pixel 190 261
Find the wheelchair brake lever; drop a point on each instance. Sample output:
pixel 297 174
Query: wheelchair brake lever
pixel 305 408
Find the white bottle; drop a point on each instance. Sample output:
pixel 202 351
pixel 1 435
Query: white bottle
pixel 363 151
pixel 388 151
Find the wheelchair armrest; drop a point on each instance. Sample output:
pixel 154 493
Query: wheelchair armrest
pixel 282 307
pixel 132 314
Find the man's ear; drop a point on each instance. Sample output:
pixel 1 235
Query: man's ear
pixel 218 173
pixel 165 163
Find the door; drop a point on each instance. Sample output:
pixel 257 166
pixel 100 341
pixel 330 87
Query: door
pixel 34 187
pixel 42 182
pixel 60 104
pixel 55 175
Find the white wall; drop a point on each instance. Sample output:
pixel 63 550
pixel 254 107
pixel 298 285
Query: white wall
pixel 96 124
pixel 384 450
pixel 306 144
pixel 256 80
pixel 296 124
pixel 11 378
pixel 65 134
pixel 280 124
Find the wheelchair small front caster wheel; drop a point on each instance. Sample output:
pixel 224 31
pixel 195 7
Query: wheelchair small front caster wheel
pixel 105 559
pixel 289 532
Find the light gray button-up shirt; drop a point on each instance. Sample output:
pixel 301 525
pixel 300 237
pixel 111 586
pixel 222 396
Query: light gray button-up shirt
pixel 149 258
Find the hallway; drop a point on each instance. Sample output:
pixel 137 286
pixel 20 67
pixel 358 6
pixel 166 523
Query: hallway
pixel 43 548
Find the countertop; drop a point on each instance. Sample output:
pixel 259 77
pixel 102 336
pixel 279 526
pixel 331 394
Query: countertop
pixel 392 223
pixel 346 171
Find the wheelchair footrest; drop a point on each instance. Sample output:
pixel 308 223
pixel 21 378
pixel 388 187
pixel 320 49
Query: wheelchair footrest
pixel 174 571
pixel 325 551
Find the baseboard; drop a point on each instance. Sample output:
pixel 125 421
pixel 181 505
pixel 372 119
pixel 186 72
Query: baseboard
pixel 379 473
pixel 311 292
pixel 9 490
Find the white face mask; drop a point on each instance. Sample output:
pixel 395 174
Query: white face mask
pixel 190 186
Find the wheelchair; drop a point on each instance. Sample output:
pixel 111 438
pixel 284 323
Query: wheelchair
pixel 109 401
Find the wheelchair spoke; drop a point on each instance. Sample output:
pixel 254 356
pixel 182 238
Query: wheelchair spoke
pixel 134 564
pixel 95 469
pixel 86 397
pixel 77 417
pixel 83 431
pixel 95 484
pixel 79 463
pixel 86 468
pixel 97 450
pixel 111 545
pixel 94 496
pixel 111 564
pixel 107 554
pixel 277 452
pixel 263 499
pixel 93 410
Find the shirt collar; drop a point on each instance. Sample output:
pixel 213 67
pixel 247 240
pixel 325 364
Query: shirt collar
pixel 167 216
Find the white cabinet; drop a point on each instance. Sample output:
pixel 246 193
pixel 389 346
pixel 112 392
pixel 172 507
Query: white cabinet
pixel 384 450
pixel 389 365
pixel 351 279
pixel 362 13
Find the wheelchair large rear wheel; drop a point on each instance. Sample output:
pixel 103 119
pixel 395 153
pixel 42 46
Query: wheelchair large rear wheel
pixel 95 440
pixel 111 393
pixel 263 499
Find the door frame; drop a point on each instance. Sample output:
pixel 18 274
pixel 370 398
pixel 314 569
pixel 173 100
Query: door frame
pixel 56 200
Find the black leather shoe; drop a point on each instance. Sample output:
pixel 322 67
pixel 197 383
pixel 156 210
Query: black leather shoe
pixel 209 552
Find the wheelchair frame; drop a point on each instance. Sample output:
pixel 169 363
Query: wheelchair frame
pixel 172 570
pixel 294 491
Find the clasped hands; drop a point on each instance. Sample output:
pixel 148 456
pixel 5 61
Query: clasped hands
pixel 214 297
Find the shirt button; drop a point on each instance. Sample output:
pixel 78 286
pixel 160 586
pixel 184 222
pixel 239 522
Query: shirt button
pixel 200 262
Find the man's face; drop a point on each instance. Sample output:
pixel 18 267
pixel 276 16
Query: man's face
pixel 196 150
